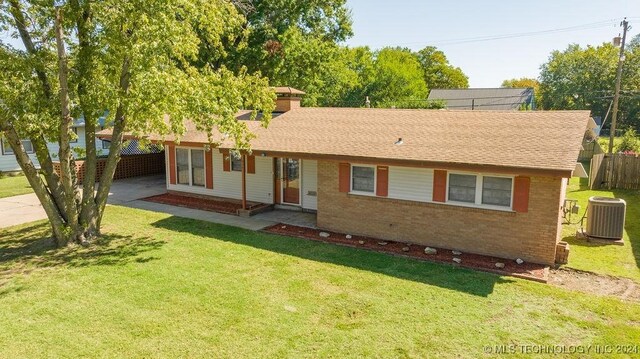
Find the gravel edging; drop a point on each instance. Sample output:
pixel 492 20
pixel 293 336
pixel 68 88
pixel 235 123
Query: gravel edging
pixel 529 271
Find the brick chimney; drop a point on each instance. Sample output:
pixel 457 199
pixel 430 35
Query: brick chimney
pixel 287 99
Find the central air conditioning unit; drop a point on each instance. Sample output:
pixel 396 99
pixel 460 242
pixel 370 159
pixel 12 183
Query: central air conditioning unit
pixel 605 217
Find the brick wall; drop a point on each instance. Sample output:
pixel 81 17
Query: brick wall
pixel 129 166
pixel 531 236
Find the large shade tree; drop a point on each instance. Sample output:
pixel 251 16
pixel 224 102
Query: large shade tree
pixel 584 78
pixel 398 77
pixel 133 61
pixel 438 72
pixel 293 43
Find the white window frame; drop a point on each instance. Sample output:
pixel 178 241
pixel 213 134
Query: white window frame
pixel 10 151
pixel 478 200
pixel 189 149
pixel 375 180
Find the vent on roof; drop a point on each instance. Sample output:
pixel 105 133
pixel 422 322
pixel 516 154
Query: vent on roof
pixel 399 141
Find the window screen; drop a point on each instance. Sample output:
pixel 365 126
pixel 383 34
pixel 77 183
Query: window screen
pixel 236 164
pixel 363 179
pixel 496 191
pixel 462 188
pixel 183 165
pixel 197 167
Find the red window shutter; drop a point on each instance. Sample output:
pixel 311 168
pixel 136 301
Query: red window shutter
pixel 208 167
pixel 226 161
pixel 439 185
pixel 172 164
pixel 382 179
pixel 344 174
pixel 251 164
pixel 521 187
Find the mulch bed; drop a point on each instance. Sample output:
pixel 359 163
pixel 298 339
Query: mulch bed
pixel 204 204
pixel 531 271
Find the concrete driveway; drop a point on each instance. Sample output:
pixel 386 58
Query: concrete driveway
pixel 26 208
pixel 128 192
pixel 20 209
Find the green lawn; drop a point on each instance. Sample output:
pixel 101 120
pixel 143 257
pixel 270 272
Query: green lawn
pixel 606 259
pixel 13 186
pixel 162 286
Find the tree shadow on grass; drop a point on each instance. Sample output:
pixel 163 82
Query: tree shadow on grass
pixel 32 247
pixel 441 275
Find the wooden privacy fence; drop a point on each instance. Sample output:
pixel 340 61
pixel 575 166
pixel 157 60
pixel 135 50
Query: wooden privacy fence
pixel 589 149
pixel 617 171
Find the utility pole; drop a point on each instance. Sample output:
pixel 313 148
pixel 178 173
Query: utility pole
pixel 616 96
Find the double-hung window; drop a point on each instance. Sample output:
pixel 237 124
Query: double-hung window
pixel 236 163
pixel 190 167
pixel 363 179
pixel 481 190
pixel 496 191
pixel 197 168
pixel 182 156
pixel 462 188
pixel 7 150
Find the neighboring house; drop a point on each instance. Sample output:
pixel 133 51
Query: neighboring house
pixel 509 99
pixel 476 181
pixel 8 161
pixel 79 145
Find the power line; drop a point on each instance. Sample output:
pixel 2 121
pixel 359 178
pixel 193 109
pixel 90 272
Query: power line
pixel 589 26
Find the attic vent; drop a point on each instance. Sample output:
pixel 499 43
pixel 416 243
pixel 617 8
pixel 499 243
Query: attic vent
pixel 399 141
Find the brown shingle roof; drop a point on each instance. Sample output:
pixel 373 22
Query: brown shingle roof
pixel 536 140
pixel 529 139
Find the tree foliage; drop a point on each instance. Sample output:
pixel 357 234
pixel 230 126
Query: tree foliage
pixel 398 75
pixel 135 61
pixel 584 78
pixel 317 66
pixel 297 44
pixel 629 142
pixel 438 73
pixel 293 43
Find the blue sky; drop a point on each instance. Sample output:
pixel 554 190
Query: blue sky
pixel 416 24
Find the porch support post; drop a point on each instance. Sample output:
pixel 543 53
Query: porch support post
pixel 244 182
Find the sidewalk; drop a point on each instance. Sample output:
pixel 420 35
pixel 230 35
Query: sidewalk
pixel 251 223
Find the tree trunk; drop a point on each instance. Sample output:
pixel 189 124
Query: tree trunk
pixel 114 150
pixel 72 217
pixel 89 210
pixel 58 225
pixel 67 169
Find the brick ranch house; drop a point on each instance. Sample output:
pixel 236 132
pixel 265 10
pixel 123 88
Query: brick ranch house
pixel 482 182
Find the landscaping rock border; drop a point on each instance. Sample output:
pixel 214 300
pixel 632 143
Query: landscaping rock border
pixel 531 271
